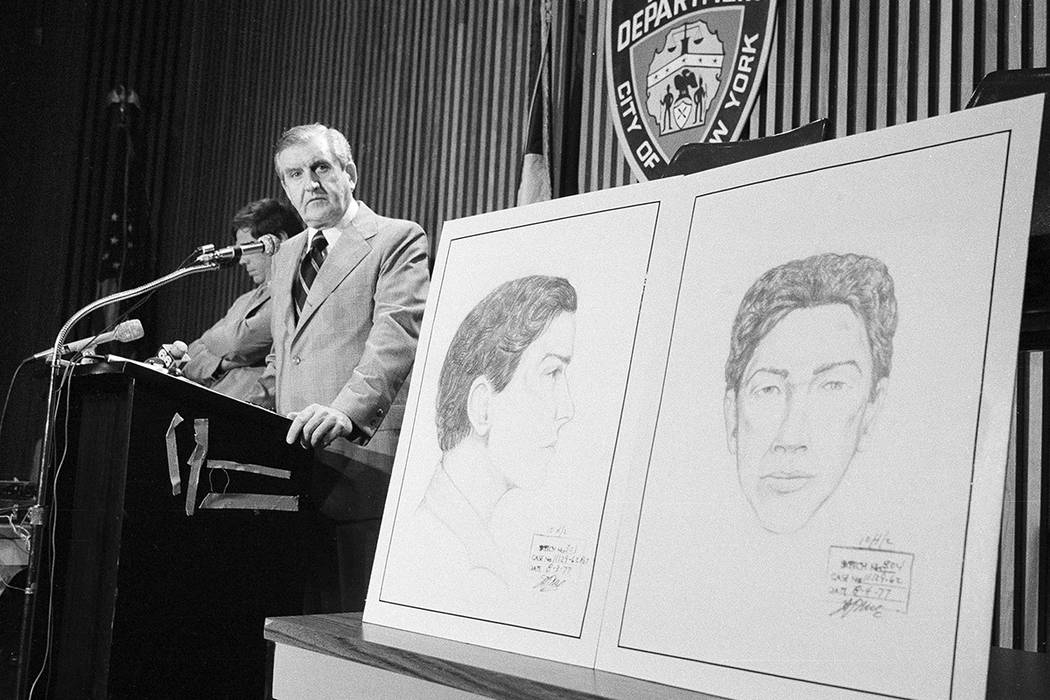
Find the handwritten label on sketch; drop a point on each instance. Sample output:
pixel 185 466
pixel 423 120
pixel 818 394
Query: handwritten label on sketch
pixel 556 560
pixel 871 581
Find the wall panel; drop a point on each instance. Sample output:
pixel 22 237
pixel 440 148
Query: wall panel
pixel 894 61
pixel 1023 584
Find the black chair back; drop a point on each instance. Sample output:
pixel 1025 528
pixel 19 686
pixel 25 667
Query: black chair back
pixel 695 157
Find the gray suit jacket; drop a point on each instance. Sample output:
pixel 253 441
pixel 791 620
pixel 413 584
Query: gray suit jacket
pixel 355 341
pixel 242 338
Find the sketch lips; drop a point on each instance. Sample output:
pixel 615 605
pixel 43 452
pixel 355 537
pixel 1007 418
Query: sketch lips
pixel 786 482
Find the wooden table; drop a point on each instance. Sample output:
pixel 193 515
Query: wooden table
pixel 339 656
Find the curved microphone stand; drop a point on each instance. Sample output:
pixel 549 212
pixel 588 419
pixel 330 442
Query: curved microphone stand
pixel 38 512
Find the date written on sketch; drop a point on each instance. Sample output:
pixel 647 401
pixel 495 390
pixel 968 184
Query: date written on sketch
pixel 862 580
pixel 555 560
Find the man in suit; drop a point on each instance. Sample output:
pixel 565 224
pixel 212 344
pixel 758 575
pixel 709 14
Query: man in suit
pixel 231 355
pixel 348 297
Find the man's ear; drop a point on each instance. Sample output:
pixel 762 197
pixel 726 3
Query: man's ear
pixel 729 411
pixel 478 397
pixel 872 409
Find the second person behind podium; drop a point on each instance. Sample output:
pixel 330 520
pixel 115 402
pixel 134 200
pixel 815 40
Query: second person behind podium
pixel 231 355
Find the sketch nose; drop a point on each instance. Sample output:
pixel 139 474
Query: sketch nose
pixel 788 449
pixel 793 435
pixel 565 409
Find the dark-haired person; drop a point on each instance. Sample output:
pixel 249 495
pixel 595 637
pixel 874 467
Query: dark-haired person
pixel 806 377
pixel 231 355
pixel 503 397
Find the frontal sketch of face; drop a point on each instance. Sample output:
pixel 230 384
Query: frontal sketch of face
pixel 504 394
pixel 806 377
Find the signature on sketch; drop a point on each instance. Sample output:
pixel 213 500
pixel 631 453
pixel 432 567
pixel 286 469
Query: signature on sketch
pixel 806 377
pixel 869 580
pixel 503 397
pixel 857 605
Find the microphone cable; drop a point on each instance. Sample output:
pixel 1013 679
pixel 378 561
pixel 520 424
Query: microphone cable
pixel 64 384
pixel 7 398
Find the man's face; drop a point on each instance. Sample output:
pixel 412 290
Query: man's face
pixel 315 182
pixel 803 408
pixel 525 418
pixel 257 264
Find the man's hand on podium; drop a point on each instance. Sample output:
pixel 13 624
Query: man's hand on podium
pixel 318 426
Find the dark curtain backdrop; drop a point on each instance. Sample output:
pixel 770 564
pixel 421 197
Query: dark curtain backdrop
pixel 433 96
pixel 63 164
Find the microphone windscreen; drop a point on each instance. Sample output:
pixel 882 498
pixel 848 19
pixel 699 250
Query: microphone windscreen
pixel 270 243
pixel 128 331
pixel 178 349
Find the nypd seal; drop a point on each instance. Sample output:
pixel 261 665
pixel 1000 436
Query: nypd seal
pixel 683 71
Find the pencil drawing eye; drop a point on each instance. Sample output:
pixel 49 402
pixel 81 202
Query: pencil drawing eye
pixel 767 391
pixel 815 336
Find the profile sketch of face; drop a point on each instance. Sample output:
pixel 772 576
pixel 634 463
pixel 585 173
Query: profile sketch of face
pixel 504 395
pixel 525 418
pixel 805 381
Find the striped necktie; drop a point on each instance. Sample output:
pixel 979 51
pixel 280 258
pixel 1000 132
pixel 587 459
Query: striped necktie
pixel 308 269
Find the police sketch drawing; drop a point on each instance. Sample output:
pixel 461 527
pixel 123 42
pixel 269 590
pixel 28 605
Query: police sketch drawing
pixel 806 377
pixel 503 396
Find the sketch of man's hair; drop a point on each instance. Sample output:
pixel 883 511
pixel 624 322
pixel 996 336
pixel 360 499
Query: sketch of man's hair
pixel 489 343
pixel 860 282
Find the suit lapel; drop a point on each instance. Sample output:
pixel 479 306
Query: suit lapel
pixel 262 295
pixel 281 284
pixel 345 255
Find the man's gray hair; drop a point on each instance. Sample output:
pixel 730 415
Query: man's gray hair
pixel 304 132
pixel 860 282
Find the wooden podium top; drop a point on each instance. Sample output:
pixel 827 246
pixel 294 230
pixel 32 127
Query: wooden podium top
pixel 1012 674
pixel 184 390
pixel 466 667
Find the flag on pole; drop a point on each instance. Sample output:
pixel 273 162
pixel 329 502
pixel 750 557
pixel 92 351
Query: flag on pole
pixel 535 167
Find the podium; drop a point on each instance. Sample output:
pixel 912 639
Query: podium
pixel 152 595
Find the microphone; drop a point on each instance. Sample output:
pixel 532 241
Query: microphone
pixel 267 244
pixel 178 350
pixel 123 333
pixel 169 355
